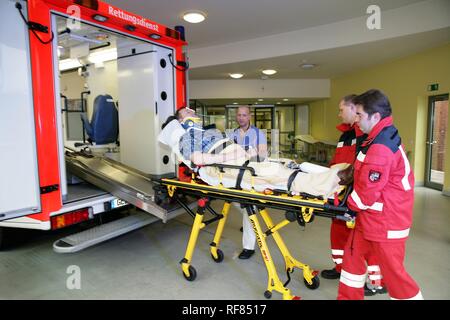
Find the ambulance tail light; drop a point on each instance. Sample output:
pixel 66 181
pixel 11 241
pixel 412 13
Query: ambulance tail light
pixel 67 219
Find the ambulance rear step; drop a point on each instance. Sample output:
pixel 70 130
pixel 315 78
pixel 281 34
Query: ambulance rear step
pixel 104 232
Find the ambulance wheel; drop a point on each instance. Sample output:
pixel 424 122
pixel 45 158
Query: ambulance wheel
pixel 267 294
pixel 219 256
pixel 315 283
pixel 192 274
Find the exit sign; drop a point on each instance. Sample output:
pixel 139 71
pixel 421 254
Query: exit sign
pixel 433 87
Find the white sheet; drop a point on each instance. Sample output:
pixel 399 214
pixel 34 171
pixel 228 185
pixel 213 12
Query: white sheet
pixel 320 181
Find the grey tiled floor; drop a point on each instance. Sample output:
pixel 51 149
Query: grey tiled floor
pixel 144 264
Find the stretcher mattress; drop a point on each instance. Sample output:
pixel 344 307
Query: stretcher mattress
pixel 273 175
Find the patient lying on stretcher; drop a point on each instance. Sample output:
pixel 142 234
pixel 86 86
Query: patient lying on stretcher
pixel 197 146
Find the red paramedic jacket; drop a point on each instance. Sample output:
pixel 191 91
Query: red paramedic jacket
pixel 383 188
pixel 346 147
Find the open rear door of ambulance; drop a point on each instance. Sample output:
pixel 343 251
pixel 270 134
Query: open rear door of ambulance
pixel 19 180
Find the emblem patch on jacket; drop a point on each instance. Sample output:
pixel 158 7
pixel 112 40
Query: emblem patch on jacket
pixel 374 176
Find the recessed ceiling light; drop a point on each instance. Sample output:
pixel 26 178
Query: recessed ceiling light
pixel 285 99
pixel 307 66
pixel 154 36
pixel 99 17
pixel 269 72
pixel 235 103
pixel 236 75
pixel 260 99
pixel 194 16
pixel 278 102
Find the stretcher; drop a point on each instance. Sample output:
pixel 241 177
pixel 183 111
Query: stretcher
pixel 301 208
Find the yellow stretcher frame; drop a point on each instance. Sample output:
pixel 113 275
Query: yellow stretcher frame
pixel 298 208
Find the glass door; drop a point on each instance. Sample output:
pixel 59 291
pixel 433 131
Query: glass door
pixel 436 140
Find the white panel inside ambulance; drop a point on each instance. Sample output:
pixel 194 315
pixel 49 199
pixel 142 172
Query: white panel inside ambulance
pixel 92 62
pixel 19 181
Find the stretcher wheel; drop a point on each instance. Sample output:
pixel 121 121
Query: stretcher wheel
pixel 267 294
pixel 315 283
pixel 219 256
pixel 192 274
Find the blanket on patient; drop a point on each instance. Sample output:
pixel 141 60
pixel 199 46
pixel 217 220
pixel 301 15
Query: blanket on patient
pixel 313 179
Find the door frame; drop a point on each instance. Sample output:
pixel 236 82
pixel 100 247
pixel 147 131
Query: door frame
pixel 430 119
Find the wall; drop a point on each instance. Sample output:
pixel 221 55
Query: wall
pixel 282 88
pixel 405 82
pixel 102 81
pixel 72 84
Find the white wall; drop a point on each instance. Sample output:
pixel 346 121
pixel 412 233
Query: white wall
pixel 232 89
pixel 102 81
pixel 72 85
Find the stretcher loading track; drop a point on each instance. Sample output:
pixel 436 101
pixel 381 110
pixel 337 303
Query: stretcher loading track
pixel 120 180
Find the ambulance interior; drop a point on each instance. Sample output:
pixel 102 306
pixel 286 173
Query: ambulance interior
pixel 123 87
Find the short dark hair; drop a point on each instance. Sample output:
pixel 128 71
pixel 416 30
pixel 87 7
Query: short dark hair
pixel 374 101
pixel 177 113
pixel 349 99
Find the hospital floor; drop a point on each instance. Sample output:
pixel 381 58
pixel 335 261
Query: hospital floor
pixel 144 264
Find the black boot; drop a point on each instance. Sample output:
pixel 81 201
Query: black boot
pixel 373 290
pixel 245 254
pixel 330 274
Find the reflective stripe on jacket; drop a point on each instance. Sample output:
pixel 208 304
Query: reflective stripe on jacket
pixel 346 147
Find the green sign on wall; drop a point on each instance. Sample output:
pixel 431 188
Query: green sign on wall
pixel 433 87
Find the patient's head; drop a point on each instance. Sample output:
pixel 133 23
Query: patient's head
pixel 180 115
pixel 184 113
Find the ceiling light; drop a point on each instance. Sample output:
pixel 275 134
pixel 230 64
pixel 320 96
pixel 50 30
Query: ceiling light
pixel 194 16
pixel 99 18
pixel 129 27
pixel 68 64
pixel 235 103
pixel 307 66
pixel 103 56
pixel 278 102
pixel 236 75
pixel 269 72
pixel 155 36
pixel 285 99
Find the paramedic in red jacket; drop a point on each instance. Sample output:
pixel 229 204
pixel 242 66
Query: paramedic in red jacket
pixel 345 152
pixel 383 198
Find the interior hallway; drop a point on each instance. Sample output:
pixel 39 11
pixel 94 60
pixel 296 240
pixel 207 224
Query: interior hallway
pixel 145 264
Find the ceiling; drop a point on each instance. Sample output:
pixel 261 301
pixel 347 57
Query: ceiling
pixel 236 20
pixel 330 63
pixel 232 21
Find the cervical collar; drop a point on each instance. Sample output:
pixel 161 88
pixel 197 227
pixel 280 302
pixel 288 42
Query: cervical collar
pixel 171 133
pixel 188 123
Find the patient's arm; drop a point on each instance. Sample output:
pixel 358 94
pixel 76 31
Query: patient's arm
pixel 200 158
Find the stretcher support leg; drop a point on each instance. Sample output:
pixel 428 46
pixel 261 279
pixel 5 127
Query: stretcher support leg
pixel 274 282
pixel 188 271
pixel 214 247
pixel 309 275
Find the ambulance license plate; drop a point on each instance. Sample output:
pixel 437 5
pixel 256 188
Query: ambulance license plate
pixel 116 203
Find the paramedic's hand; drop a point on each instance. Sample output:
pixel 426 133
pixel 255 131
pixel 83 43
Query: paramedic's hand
pixel 238 153
pixel 252 152
pixel 346 176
